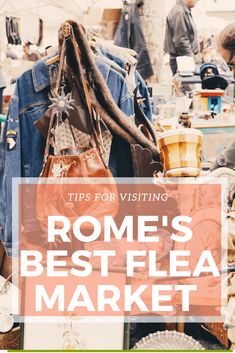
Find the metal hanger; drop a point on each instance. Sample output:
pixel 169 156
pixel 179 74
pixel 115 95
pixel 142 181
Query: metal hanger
pixel 55 59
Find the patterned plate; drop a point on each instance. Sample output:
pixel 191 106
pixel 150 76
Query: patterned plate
pixel 168 340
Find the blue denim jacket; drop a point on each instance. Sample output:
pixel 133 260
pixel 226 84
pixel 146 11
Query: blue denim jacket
pixel 129 34
pixel 29 102
pixel 143 90
pixel 118 87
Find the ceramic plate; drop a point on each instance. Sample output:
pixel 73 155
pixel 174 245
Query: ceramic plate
pixel 168 340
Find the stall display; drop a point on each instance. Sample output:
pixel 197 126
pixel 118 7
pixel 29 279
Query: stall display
pixel 210 100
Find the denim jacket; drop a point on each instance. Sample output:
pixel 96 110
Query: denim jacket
pixel 143 90
pixel 25 157
pixel 130 34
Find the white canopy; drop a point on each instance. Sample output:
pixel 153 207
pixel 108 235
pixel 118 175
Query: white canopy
pixel 53 13
pixel 53 9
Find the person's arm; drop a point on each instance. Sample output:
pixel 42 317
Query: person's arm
pixel 181 37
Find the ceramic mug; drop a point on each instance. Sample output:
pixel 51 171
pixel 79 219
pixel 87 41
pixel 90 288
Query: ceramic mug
pixel 6 323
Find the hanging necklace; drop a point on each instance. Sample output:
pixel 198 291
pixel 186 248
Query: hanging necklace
pixel 62 103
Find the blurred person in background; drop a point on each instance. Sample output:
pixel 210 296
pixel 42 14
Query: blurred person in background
pixel 227 46
pixel 227 51
pixel 181 37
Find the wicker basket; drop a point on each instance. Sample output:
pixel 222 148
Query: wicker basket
pixel 10 340
pixel 217 330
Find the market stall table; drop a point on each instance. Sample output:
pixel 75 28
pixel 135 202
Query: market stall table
pixel 216 137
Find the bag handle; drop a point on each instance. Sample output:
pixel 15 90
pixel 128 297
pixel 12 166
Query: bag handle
pixel 53 93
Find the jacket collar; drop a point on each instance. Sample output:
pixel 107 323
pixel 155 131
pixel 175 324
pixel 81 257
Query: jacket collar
pixel 40 75
pixel 181 2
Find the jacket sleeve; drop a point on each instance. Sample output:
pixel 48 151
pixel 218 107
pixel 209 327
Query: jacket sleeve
pixel 181 35
pixel 12 168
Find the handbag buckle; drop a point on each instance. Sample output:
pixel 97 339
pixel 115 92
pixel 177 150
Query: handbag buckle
pixel 88 156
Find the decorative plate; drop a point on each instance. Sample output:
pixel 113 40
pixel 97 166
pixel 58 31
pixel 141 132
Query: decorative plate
pixel 168 340
pixel 222 172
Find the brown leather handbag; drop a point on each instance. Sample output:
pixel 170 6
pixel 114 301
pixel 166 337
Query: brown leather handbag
pixel 52 197
pixel 76 129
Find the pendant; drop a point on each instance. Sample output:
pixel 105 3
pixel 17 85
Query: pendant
pixel 62 103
